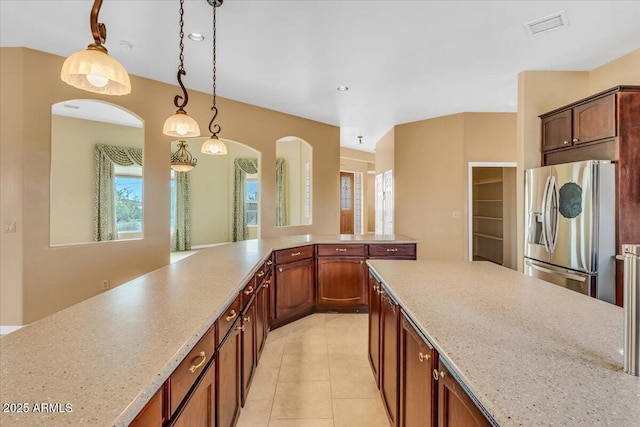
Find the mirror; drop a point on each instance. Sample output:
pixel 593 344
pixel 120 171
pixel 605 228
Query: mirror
pixel 90 139
pixel 216 216
pixel 294 186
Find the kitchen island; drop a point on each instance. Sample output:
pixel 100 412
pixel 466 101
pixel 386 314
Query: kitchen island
pixel 530 352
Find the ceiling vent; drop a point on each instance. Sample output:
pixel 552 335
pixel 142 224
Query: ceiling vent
pixel 548 23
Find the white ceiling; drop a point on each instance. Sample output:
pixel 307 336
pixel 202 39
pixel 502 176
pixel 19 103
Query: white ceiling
pixel 402 60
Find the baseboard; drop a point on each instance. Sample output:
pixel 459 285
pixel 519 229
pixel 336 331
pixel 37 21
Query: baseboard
pixel 4 330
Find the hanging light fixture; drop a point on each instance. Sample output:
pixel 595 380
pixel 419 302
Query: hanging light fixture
pixel 182 160
pixel 93 69
pixel 180 124
pixel 359 139
pixel 214 145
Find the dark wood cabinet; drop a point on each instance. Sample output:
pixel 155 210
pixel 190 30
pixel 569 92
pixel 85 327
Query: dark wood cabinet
pixel 153 412
pixel 418 388
pixel 262 314
pixel 341 282
pixel 392 251
pixel 198 409
pixel 594 120
pixel 248 351
pixel 389 322
pixel 374 326
pixel 228 377
pixel 455 406
pixel 295 284
pixel 556 130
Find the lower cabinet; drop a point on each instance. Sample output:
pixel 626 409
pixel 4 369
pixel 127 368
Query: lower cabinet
pixel 199 409
pixel 341 282
pixel 262 315
pixel 153 412
pixel 294 294
pixel 455 406
pixel 248 337
pixel 389 321
pixel 228 378
pixel 374 326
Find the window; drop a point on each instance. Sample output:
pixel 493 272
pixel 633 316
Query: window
pixel 128 203
pixel 251 201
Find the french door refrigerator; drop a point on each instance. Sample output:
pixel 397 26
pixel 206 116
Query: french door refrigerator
pixel 570 226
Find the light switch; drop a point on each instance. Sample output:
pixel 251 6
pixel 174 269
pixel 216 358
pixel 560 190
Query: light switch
pixel 10 227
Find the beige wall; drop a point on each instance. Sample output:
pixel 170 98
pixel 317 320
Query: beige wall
pixel 54 278
pixel 385 152
pixel 72 173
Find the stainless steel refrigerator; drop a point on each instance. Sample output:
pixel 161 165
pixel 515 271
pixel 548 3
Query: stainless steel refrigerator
pixel 570 226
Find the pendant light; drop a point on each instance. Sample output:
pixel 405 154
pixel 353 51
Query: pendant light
pixel 180 124
pixel 214 145
pixel 182 160
pixel 93 69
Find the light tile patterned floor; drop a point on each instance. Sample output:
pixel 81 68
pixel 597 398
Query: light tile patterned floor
pixel 315 373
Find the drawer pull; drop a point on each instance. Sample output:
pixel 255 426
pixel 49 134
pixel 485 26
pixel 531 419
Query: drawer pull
pixel 437 375
pixel 240 328
pixel 361 262
pixel 247 319
pixel 249 290
pixel 392 249
pixel 423 357
pixel 266 285
pixel 575 140
pixel 232 315
pixel 193 368
pixel 269 262
pixel 280 269
pixel 566 142
pixel 260 273
pixel 267 282
pixel 295 253
pixel 375 287
pixel 341 249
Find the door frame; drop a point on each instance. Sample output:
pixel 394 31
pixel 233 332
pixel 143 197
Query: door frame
pixel 472 165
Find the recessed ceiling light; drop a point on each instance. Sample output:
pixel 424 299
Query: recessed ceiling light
pixel 196 37
pixel 343 88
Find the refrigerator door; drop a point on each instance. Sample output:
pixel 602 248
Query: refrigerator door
pixel 537 183
pixel 574 280
pixel 571 211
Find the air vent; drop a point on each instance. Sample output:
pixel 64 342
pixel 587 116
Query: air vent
pixel 548 23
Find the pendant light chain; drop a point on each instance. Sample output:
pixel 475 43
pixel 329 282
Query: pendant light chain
pixel 214 128
pixel 181 35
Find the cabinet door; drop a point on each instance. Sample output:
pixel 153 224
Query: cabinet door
pixel 199 407
pixel 389 356
pixel 418 392
pixel 262 315
pixel 152 413
pixel 294 289
pixel 228 378
pixel 595 120
pixel 455 407
pixel 556 131
pixel 341 282
pixel 374 327
pixel 248 336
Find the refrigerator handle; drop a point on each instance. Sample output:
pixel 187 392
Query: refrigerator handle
pixel 552 190
pixel 545 215
pixel 559 273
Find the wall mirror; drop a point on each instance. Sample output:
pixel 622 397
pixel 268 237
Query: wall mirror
pixel 218 200
pixel 96 173
pixel 294 175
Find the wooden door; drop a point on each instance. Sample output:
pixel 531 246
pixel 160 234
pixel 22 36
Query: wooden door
pixel 389 356
pixel 152 414
pixel 248 338
pixel 199 409
pixel 228 378
pixel 418 391
pixel 347 203
pixel 374 327
pixel 556 131
pixel 341 282
pixel 294 289
pixel 455 407
pixel 262 315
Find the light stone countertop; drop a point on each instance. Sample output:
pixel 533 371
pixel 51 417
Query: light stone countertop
pixel 108 355
pixel 531 352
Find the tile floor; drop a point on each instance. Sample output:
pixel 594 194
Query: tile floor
pixel 315 373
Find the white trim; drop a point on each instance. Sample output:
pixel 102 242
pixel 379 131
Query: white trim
pixel 470 194
pixel 4 330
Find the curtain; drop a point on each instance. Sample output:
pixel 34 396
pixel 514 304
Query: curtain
pixel 181 236
pixel 105 157
pixel 241 167
pixel 281 191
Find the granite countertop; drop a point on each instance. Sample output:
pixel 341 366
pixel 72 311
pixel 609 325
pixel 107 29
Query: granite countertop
pixel 108 355
pixel 531 352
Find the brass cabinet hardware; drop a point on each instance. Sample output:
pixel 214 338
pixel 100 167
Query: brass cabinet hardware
pixel 249 290
pixel 392 249
pixel 361 262
pixel 269 262
pixel 435 374
pixel 240 328
pixel 341 249
pixel 260 273
pixel 232 315
pixel 193 368
pixel 267 282
pixel 247 319
pixel 423 357
pixel 566 142
pixel 280 269
pixel 575 140
pixel 295 253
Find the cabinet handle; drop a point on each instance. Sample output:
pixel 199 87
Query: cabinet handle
pixel 575 140
pixel 392 249
pixel 566 142
pixel 269 262
pixel 267 282
pixel 232 315
pixel 361 262
pixel 375 287
pixel 280 269
pixel 380 291
pixel 423 357
pixel 247 319
pixel 260 273
pixel 266 285
pixel 437 375
pixel 249 290
pixel 295 253
pixel 240 328
pixel 341 249
pixel 193 368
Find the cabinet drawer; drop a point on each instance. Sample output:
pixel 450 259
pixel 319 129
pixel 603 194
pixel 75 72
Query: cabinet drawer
pixel 186 374
pixel 249 290
pixel 341 250
pixel 225 321
pixel 403 250
pixel 285 256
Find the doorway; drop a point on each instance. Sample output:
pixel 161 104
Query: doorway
pixel 492 213
pixel 347 203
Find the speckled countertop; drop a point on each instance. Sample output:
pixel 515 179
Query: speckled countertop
pixel 108 355
pixel 531 352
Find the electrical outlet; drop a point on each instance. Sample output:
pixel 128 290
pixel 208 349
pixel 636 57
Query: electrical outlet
pixel 456 214
pixel 105 284
pixel 10 227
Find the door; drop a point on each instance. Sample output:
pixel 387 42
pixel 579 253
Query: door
pixel 199 409
pixel 248 338
pixel 379 208
pixel 341 282
pixel 389 325
pixel 294 293
pixel 536 185
pixel 388 202
pixel 346 203
pixel 455 406
pixel 374 327
pixel 228 378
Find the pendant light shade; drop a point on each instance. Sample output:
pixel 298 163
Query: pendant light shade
pixel 181 125
pixel 214 146
pixel 93 69
pixel 182 160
